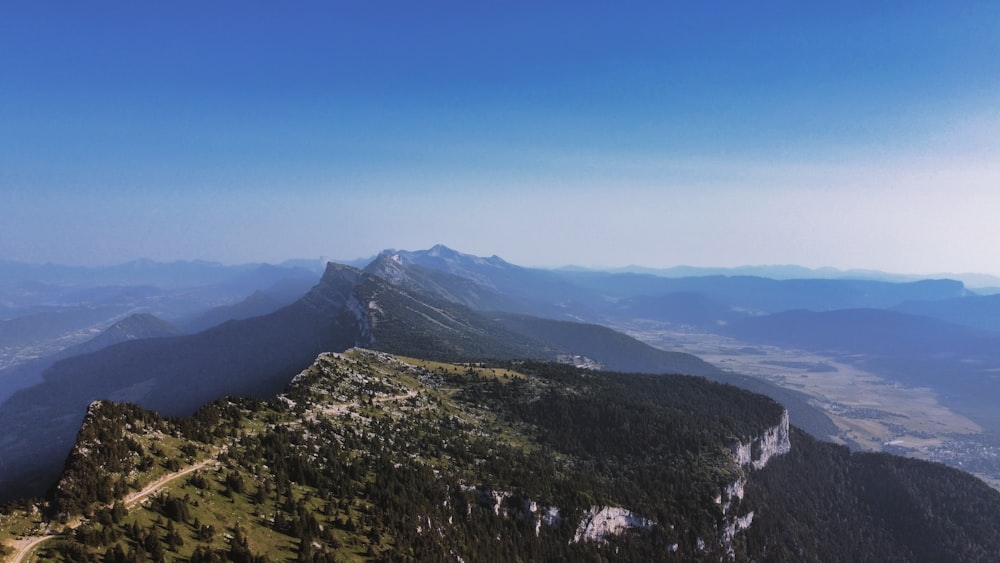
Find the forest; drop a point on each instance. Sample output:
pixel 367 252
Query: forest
pixel 366 456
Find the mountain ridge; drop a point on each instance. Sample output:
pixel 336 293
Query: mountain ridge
pixel 376 457
pixel 254 357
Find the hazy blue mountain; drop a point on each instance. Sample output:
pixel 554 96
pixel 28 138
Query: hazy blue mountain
pixel 979 282
pixel 137 272
pixel 762 295
pixel 134 327
pixel 173 375
pixel 612 350
pixel 260 302
pixel 682 308
pixel 866 331
pixel 776 271
pixel 38 328
pixel 38 319
pixel 169 291
pixel 958 362
pixel 978 311
pixel 703 301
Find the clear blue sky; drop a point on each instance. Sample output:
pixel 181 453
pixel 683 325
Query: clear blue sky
pixel 853 135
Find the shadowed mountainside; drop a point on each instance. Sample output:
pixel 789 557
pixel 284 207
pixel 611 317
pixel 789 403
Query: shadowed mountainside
pixel 257 357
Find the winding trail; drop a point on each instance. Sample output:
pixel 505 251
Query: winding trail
pixel 154 487
pixel 24 546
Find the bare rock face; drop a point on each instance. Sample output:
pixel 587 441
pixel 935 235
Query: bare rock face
pixel 761 449
pixel 600 522
pixel 753 454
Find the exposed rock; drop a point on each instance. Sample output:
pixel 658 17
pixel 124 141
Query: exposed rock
pixel 600 522
pixel 760 450
pixel 756 454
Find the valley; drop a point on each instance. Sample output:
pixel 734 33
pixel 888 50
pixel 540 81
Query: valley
pixel 872 412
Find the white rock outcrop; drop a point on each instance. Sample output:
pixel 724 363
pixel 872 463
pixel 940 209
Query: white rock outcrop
pixel 756 454
pixel 600 522
pixel 760 450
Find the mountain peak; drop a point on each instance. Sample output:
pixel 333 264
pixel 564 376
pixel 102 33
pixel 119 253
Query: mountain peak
pixel 338 272
pixel 442 257
pixel 442 251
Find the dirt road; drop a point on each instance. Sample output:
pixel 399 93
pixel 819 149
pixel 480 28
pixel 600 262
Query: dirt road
pixel 24 546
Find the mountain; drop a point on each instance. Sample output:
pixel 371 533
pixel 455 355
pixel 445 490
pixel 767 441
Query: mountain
pixel 982 312
pixel 607 348
pixel 684 308
pixel 445 285
pixel 137 272
pixel 509 288
pixel 595 345
pixel 754 295
pixel 979 282
pixel 256 357
pixel 371 457
pixel 140 326
pixel 492 284
pixel 174 375
pixel 134 327
pixel 36 329
pixel 259 303
pixel 171 291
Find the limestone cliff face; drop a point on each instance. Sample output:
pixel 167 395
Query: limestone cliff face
pixel 754 454
pixel 602 521
pixel 760 450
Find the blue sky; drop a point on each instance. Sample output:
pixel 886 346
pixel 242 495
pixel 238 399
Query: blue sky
pixel 854 135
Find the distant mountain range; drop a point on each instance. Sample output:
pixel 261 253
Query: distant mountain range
pixel 791 272
pixel 446 305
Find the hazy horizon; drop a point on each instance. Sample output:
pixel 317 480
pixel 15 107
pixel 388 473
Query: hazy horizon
pixel 851 136
pixel 974 280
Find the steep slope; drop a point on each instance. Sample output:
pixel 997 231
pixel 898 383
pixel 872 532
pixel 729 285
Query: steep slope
pixel 174 375
pixel 390 266
pixel 139 326
pixel 134 327
pixel 420 325
pixel 254 357
pixel 370 457
pixel 259 303
pixel 607 348
pixel 439 271
pixel 428 459
pixel 838 506
pixel 38 328
pixel 512 288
